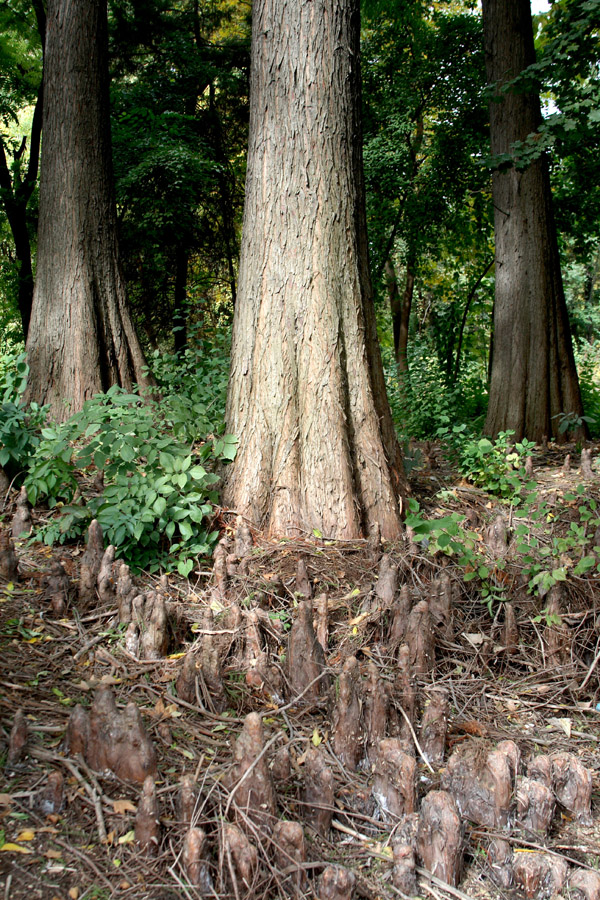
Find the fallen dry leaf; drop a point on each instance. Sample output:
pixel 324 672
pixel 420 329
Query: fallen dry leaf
pixel 562 724
pixel 475 638
pixel 15 848
pixel 27 835
pixel 127 838
pixel 123 806
pixel 358 619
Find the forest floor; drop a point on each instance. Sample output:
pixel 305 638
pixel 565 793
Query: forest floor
pixel 74 835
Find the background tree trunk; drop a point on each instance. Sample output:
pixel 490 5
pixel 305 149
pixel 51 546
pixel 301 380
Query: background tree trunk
pixel 81 338
pixel 16 194
pixel 533 375
pixel 180 310
pixel 400 307
pixel 307 395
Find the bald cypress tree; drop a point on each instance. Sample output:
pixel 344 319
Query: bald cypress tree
pixel 81 338
pixel 307 396
pixel 533 375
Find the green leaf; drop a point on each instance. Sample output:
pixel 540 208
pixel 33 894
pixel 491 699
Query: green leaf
pixel 166 461
pixel 559 574
pixel 159 506
pixel 229 451
pixel 186 530
pixel 584 565
pixel 127 452
pixel 185 566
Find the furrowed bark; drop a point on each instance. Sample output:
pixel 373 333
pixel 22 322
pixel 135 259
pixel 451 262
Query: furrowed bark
pixel 307 395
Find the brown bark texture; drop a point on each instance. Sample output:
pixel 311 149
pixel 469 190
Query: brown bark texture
pixel 81 338
pixel 533 375
pixel 307 395
pixel 400 307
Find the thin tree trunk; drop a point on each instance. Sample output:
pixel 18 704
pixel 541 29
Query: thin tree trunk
pixel 307 395
pixel 180 306
pixel 225 192
pixel 400 307
pixel 16 214
pixel 590 288
pixel 81 337
pixel 16 195
pixel 533 377
pixel 461 331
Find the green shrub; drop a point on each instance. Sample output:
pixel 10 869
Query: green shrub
pixel 587 357
pixel 426 398
pixel 192 387
pixel 20 425
pixel 158 491
pixel 496 466
pixel 158 455
pixel 544 550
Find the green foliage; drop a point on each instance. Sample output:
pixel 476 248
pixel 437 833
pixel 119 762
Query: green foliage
pixel 588 366
pixel 20 425
pixel 448 536
pixel 425 128
pixel 179 105
pixel 427 398
pixel 193 386
pixel 548 556
pixel 545 554
pixel 573 421
pixel 566 68
pixel 158 456
pixel 158 491
pixel 497 466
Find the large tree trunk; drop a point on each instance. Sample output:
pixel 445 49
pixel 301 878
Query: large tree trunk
pixel 307 396
pixel 533 370
pixel 81 338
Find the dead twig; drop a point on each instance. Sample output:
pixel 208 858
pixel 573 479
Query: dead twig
pixel 416 740
pixel 590 671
